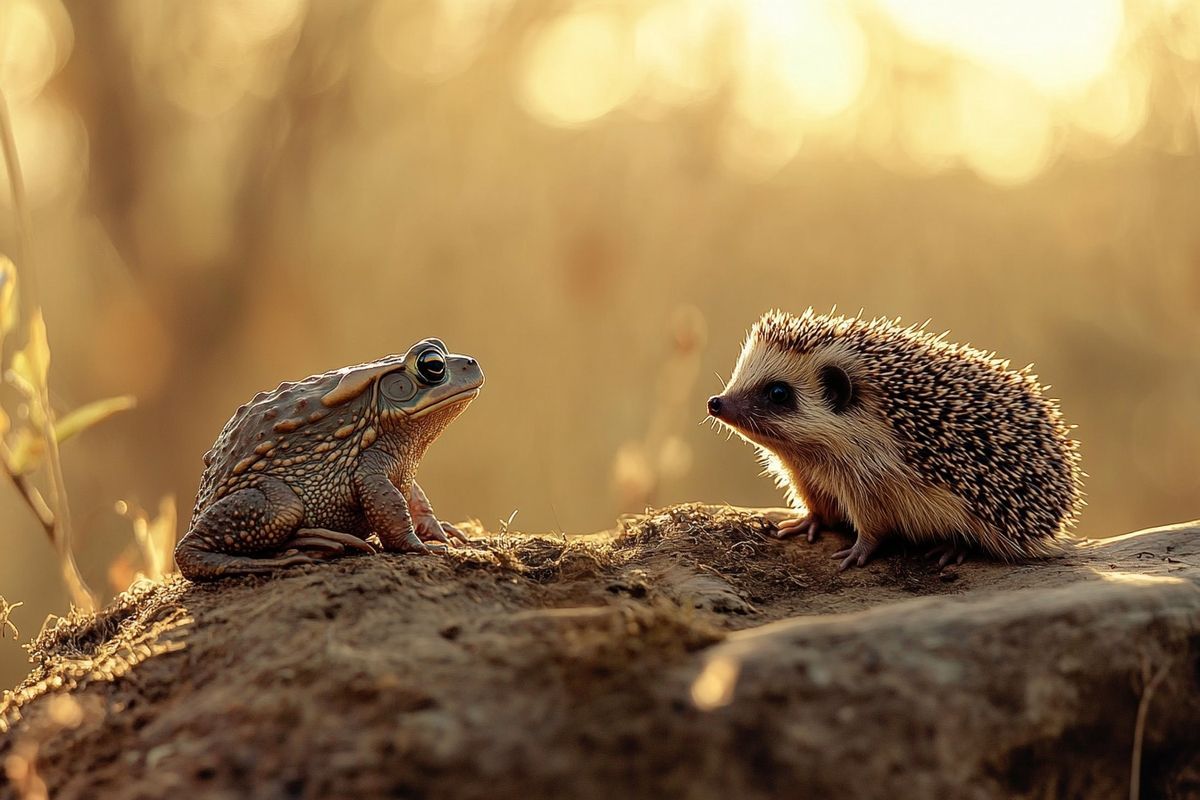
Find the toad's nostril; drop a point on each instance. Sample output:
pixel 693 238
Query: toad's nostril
pixel 714 405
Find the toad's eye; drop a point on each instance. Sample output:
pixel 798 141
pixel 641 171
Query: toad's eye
pixel 398 387
pixel 779 394
pixel 431 366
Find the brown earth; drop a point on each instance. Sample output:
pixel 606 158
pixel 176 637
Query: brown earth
pixel 686 654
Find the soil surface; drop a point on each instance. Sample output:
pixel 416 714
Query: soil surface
pixel 686 654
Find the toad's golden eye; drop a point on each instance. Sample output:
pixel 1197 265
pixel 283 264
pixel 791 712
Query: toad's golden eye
pixel 398 387
pixel 431 366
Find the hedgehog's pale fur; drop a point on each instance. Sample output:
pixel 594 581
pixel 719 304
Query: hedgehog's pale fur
pixel 942 442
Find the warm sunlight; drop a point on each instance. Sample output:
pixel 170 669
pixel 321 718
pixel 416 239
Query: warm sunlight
pixel 1003 89
pixel 994 87
pixel 1057 45
pixel 579 68
pixel 833 350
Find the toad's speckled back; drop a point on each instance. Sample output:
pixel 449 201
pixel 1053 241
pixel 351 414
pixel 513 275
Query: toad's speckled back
pixel 293 431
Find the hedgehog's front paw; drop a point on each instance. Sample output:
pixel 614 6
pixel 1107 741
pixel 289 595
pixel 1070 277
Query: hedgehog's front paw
pixel 858 554
pixel 810 526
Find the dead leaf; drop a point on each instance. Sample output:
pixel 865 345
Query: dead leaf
pixel 86 416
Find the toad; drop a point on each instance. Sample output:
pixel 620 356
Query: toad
pixel 310 470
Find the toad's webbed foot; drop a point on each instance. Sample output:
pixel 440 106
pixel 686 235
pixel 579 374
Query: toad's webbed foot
pixel 204 564
pixel 432 530
pixel 426 524
pixel 321 541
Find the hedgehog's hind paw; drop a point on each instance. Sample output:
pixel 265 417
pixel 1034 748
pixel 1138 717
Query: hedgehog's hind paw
pixel 950 552
pixel 858 554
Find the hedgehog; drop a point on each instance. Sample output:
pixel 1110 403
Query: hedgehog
pixel 885 431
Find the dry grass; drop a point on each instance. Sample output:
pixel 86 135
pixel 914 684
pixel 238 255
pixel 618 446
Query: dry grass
pixel 6 624
pixel 30 438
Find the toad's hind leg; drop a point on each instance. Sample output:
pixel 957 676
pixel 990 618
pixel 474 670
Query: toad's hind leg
pixel 237 534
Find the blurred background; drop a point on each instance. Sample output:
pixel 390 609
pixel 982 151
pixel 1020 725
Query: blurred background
pixel 596 199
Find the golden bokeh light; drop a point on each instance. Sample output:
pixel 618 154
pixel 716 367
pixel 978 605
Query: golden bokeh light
pixel 929 136
pixel 715 685
pixel 798 60
pixel 579 67
pixel 1007 131
pixel 993 87
pixel 35 41
pixel 757 153
pixel 54 152
pixel 434 40
pixel 206 57
pixel 678 45
pixel 1114 107
pixel 1056 45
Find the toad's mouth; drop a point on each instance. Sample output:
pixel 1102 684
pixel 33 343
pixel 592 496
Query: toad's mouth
pixel 460 397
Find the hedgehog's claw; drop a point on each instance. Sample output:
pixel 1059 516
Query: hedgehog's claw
pixel 810 525
pixel 947 553
pixel 858 554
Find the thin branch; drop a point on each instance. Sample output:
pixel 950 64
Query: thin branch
pixel 29 493
pixel 33 499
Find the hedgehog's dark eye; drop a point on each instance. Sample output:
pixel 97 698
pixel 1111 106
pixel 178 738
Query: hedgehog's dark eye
pixel 431 366
pixel 779 394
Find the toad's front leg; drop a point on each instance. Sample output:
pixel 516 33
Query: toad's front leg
pixel 428 526
pixel 386 510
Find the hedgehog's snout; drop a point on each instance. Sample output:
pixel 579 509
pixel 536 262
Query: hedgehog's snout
pixel 728 408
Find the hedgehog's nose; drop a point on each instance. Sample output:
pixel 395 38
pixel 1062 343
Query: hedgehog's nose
pixel 714 405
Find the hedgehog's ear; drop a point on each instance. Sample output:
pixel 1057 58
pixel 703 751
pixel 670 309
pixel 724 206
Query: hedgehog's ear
pixel 839 391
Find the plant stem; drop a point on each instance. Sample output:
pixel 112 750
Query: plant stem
pixel 81 595
pixel 29 494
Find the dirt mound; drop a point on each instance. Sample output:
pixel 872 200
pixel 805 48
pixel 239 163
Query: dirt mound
pixel 685 654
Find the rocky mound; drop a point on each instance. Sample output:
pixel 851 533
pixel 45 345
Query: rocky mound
pixel 686 654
